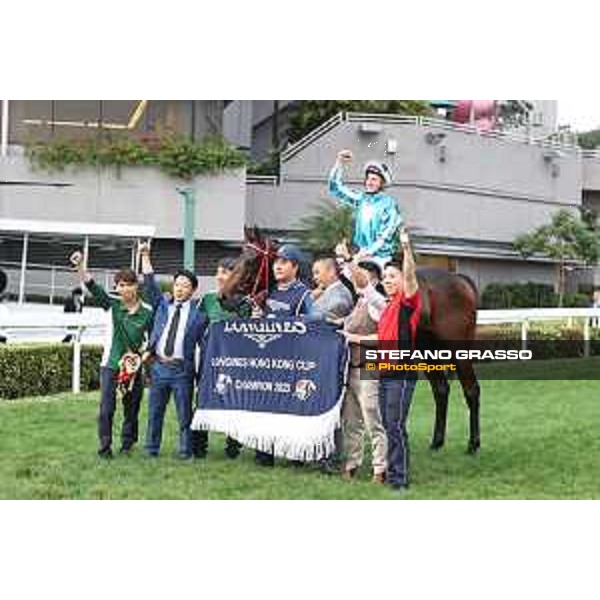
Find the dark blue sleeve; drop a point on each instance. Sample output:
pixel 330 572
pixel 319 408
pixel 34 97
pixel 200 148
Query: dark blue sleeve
pixel 152 290
pixel 201 327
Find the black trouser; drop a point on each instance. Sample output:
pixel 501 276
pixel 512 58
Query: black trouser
pixel 108 405
pixel 334 460
pixel 200 445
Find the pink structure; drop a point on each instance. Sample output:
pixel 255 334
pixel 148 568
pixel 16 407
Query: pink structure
pixel 480 113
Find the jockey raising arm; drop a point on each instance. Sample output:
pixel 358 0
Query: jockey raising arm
pixel 376 215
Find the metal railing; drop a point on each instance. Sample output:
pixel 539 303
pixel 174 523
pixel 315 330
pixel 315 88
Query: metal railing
pixel 591 154
pixel 525 316
pixel 77 324
pixel 381 118
pixel 312 136
pixel 52 289
pixel 552 141
pixel 271 180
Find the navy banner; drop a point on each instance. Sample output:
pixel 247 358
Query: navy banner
pixel 274 385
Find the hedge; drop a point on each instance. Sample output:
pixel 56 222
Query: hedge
pixel 529 295
pixel 43 369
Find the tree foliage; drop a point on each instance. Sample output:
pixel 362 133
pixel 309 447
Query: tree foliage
pixel 513 113
pixel 309 114
pixel 589 140
pixel 566 239
pixel 325 228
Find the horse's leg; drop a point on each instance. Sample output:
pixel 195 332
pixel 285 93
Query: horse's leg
pixel 441 389
pixel 471 390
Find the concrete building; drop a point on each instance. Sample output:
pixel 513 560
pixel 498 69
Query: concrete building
pixel 466 194
pixel 106 196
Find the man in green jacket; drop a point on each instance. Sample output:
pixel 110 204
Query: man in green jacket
pixel 130 324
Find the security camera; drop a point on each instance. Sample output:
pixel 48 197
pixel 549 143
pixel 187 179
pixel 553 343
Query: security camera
pixel 551 155
pixel 433 139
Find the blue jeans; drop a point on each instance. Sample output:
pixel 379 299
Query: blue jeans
pixel 167 378
pixel 395 396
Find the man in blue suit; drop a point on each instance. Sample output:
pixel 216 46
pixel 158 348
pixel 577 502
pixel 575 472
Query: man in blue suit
pixel 178 330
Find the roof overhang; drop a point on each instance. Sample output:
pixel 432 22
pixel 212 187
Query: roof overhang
pixel 119 230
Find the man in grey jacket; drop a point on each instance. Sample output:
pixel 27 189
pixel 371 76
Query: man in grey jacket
pixel 332 298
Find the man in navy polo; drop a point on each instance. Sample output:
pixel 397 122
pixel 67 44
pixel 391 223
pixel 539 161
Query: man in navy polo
pixel 290 298
pixel 178 329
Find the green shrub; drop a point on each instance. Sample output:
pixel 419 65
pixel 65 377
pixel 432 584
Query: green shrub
pixel 40 370
pixel 174 155
pixel 528 295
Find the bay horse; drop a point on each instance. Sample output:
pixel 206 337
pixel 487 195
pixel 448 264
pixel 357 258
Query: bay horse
pixel 449 320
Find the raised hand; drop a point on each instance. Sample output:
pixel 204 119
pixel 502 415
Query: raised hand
pixel 76 259
pixel 144 248
pixel 404 239
pixel 344 156
pixel 342 250
pixel 144 253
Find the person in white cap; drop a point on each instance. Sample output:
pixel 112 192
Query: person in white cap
pixel 377 217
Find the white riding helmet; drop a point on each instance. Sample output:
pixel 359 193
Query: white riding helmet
pixel 379 169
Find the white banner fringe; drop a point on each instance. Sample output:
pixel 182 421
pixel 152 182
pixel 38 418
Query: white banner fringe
pixel 305 438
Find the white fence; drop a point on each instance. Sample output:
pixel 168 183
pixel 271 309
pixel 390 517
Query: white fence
pixel 526 316
pixel 96 322
pixel 566 143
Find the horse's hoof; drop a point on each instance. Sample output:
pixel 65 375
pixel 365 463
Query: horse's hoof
pixel 436 445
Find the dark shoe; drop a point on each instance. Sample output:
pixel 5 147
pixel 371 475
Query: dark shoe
pixel 105 454
pixel 199 444
pixel 378 478
pixel 348 474
pixel 151 454
pixel 262 459
pixel 125 450
pixel 232 448
pixel 329 467
pixel 199 455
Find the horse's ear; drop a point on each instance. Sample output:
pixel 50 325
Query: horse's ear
pixel 252 234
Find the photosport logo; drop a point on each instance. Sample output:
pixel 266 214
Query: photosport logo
pixel 445 362
pixel 265 332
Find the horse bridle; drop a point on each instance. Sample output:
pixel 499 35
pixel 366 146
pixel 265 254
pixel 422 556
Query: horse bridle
pixel 266 254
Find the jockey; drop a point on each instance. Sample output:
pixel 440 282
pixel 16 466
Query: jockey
pixel 376 215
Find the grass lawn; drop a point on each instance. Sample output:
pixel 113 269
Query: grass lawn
pixel 540 439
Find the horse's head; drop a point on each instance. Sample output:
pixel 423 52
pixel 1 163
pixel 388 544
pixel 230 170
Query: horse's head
pixel 252 273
